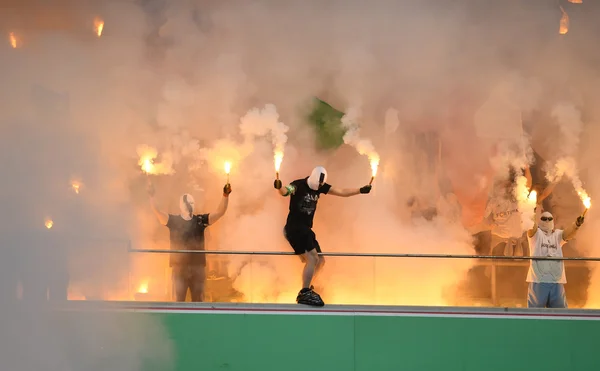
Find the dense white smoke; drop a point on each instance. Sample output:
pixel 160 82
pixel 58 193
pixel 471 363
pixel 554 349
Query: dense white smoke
pixel 352 136
pixel 178 77
pixel 568 118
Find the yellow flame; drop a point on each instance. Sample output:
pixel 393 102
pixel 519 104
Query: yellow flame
pixel 564 22
pixel 576 1
pixel 227 167
pixel 532 197
pixel 278 160
pixel 98 26
pixel 147 166
pixel 143 288
pixel 76 186
pixel 48 223
pixel 587 202
pixel 374 165
pixel 13 40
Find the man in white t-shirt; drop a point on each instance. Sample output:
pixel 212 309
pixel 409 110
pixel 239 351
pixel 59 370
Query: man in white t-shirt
pixel 547 277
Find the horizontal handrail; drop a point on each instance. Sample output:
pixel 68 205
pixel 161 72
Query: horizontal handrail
pixel 364 255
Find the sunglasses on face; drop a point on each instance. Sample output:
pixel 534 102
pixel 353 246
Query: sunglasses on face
pixel 546 219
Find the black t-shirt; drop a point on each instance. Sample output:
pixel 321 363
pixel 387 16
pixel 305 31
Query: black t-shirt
pixel 303 203
pixel 187 235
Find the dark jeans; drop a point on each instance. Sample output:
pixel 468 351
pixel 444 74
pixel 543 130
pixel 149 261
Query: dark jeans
pixel 190 277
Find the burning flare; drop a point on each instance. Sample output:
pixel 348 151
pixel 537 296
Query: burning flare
pixel 48 223
pixel 13 40
pixel 147 165
pixel 587 201
pixel 374 160
pixel 576 1
pixel 532 198
pixel 98 26
pixel 76 186
pixel 143 288
pixel 227 169
pixel 278 160
pixel 147 155
pixel 564 22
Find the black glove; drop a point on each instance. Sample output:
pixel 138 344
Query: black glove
pixel 579 221
pixel 366 189
pixel 226 189
pixel 277 184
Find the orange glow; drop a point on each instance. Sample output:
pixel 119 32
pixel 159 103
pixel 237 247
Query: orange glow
pixel 13 40
pixel 227 167
pixel 147 155
pixel 143 288
pixel 564 22
pixel 147 166
pixel 576 1
pixel 98 26
pixel 76 186
pixel 49 223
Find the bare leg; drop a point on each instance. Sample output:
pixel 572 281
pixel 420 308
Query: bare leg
pixel 319 267
pixel 309 267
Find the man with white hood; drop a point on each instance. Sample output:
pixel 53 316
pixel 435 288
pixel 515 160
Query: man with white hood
pixel 186 232
pixel 298 231
pixel 546 278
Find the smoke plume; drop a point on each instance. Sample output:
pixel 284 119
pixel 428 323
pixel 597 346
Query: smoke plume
pixel 191 85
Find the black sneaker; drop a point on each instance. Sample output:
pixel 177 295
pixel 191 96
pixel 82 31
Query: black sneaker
pixel 309 297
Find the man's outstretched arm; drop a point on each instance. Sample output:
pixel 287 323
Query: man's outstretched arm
pixel 222 209
pixel 347 192
pixel 570 232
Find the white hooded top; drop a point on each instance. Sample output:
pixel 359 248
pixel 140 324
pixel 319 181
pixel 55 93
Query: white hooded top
pixel 546 241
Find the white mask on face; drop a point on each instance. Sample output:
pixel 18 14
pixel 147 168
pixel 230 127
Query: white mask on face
pixel 548 225
pixel 317 177
pixel 186 206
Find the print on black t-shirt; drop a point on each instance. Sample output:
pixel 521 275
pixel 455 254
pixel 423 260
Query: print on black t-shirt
pixel 187 235
pixel 303 203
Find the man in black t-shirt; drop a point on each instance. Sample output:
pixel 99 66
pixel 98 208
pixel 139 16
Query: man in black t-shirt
pixel 298 228
pixel 186 232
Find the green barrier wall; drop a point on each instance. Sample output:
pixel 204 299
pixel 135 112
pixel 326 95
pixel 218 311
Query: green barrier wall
pixel 372 342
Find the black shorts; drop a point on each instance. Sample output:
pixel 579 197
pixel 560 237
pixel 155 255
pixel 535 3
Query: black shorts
pixel 301 239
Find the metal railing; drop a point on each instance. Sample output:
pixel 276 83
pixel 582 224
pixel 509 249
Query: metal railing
pixel 488 260
pixel 364 255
